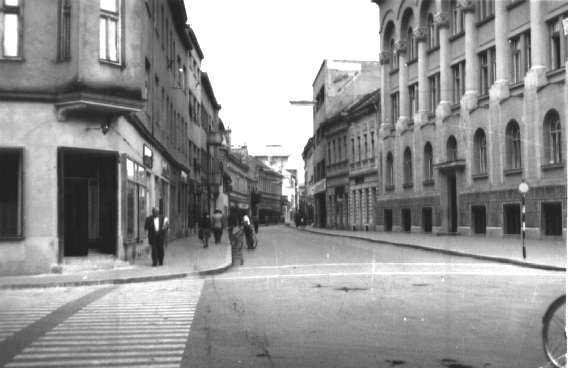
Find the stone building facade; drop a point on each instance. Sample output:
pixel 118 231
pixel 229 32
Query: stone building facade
pixel 95 127
pixel 473 102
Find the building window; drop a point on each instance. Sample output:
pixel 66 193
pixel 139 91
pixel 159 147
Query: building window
pixel 359 147
pixel 109 31
pixel 558 43
pixel 11 205
pixel 406 219
pixel 432 32
pixel 372 145
pixel 394 55
pixel 11 28
pixel 520 47
pixel 427 219
pixel 394 107
pixel 428 163
pixel 457 19
pixel 388 220
pixel 411 44
pixel 452 148
pixel 136 201
pixel 434 86
pixel 407 162
pixel 366 147
pixel 339 153
pixel 513 145
pixel 458 79
pixel 485 9
pixel 480 152
pixel 390 170
pixel 353 149
pixel 64 31
pixel 413 100
pixel 487 70
pixel 552 138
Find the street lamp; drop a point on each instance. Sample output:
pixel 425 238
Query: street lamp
pixel 523 189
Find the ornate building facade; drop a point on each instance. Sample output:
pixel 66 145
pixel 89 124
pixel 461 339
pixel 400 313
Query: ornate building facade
pixel 473 101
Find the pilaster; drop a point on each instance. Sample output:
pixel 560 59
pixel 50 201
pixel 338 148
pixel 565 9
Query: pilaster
pixel 441 19
pixel 420 34
pixel 537 75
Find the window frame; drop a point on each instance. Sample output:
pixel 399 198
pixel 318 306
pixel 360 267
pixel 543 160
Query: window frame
pixel 389 166
pixel 555 28
pixel 434 95
pixel 458 81
pixel 513 146
pixel 395 110
pixel 18 11
pixel 428 162
pixel 19 151
pixel 407 168
pixel 117 18
pixel 480 152
pixel 552 138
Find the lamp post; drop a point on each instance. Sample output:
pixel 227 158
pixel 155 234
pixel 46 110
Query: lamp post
pixel 523 189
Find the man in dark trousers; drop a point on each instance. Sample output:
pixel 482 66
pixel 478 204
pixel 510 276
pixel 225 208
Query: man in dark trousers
pixel 156 226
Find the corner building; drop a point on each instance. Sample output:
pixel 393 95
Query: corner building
pixel 94 120
pixel 473 101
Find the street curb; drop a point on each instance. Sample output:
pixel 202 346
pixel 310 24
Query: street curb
pixel 124 280
pixel 446 251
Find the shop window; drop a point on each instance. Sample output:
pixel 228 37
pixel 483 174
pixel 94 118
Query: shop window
pixel 478 219
pixel 427 219
pixel 11 206
pixel 551 218
pixel 512 218
pixel 137 201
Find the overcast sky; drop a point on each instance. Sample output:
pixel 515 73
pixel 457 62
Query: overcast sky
pixel 260 54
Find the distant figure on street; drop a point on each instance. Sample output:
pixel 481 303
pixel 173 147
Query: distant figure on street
pixel 255 224
pixel 205 229
pixel 217 225
pixel 157 226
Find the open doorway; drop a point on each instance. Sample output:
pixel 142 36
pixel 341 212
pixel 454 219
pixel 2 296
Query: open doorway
pixel 87 184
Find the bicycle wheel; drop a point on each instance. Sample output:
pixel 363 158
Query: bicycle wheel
pixel 554 332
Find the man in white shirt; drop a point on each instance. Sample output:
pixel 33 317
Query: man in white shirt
pixel 156 226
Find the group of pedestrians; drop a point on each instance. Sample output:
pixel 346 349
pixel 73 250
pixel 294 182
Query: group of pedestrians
pixel 157 227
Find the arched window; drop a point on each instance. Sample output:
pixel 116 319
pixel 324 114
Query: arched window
pixel 410 44
pixel 513 145
pixel 552 138
pixel 390 170
pixel 407 166
pixel 432 34
pixel 452 149
pixel 428 162
pixel 480 152
pixel 394 55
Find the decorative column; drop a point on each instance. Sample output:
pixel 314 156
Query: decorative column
pixel 384 60
pixel 420 35
pixel 537 74
pixel 500 89
pixel 403 107
pixel 469 100
pixel 441 19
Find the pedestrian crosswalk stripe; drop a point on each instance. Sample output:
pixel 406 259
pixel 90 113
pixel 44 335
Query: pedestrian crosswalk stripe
pixel 127 327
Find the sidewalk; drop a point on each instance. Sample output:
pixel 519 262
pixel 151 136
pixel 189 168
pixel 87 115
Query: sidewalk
pixel 541 254
pixel 183 257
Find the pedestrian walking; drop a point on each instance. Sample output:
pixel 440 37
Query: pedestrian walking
pixel 217 225
pixel 205 229
pixel 157 226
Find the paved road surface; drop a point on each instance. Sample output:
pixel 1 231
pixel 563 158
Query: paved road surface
pixel 299 300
